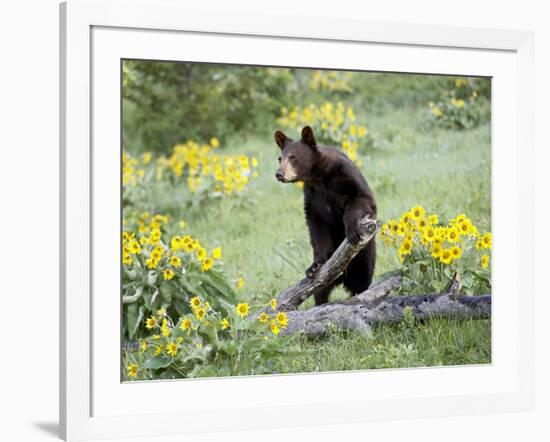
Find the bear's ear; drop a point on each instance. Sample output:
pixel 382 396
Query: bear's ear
pixel 281 139
pixel 308 137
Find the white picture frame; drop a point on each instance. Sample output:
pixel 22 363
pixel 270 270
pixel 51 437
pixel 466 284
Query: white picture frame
pixel 97 33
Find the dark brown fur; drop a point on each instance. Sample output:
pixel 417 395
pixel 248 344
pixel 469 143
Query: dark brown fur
pixel 336 198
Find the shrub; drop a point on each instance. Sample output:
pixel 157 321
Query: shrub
pixel 163 100
pixel 431 253
pixel 163 267
pixel 331 81
pixel 460 107
pixel 209 342
pixel 197 168
pixel 333 124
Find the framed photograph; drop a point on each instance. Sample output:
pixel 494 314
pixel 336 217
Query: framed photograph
pixel 290 221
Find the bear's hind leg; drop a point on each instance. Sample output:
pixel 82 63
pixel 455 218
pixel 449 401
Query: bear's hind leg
pixel 358 275
pixel 322 296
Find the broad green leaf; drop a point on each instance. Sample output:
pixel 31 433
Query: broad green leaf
pixel 132 314
pixel 156 362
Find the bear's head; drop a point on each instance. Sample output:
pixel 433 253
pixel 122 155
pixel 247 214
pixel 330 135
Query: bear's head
pixel 298 158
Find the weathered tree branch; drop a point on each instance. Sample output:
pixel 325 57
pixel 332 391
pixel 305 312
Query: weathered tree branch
pixel 359 316
pixel 377 290
pixel 292 297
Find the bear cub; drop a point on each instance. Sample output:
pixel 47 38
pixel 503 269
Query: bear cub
pixel 336 198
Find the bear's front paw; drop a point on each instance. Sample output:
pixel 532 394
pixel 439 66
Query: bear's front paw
pixel 353 235
pixel 313 269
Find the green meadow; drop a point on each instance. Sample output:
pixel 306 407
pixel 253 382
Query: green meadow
pixel 414 158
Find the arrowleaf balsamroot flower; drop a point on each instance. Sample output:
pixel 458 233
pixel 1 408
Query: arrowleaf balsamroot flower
pixel 200 313
pixel 168 274
pixel 274 327
pixel 172 348
pixel 239 283
pixel 242 309
pixel 133 370
pixel 282 319
pixel 186 324
pixel 151 323
pixel 263 318
pixel 207 264
pixel 195 302
pixel 217 253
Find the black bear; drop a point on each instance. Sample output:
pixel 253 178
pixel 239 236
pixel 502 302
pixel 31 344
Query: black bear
pixel 336 197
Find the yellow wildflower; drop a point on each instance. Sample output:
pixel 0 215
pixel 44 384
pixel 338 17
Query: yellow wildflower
pixel 143 345
pixel 175 261
pixel 155 236
pixel 456 252
pixel 132 370
pixel 406 247
pixel 151 263
pixel 429 234
pixel 200 313
pixel 453 234
pixel 217 253
pixel 185 324
pixel 465 227
pixel 207 264
pixel 195 302
pixel 274 328
pixel 282 319
pixel 134 247
pixel 487 241
pixel 172 348
pixel 417 212
pixel 242 309
pixel 201 253
pixel 168 274
pixel 436 250
pixel 422 223
pixel 239 283
pixel 126 259
pixel 446 257
pixel 485 261
pixel 164 329
pixel 151 323
pixel 176 243
pixel 437 111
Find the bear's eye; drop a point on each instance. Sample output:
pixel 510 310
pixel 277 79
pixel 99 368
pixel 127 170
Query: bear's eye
pixel 279 159
pixel 292 158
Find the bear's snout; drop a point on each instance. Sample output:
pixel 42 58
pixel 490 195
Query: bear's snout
pixel 279 175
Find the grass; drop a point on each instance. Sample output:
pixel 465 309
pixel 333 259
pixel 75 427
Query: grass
pixel 264 236
pixel 434 343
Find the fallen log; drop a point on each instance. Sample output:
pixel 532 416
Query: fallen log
pixel 360 316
